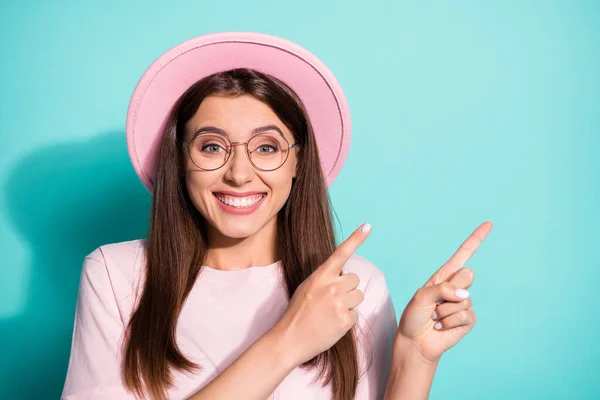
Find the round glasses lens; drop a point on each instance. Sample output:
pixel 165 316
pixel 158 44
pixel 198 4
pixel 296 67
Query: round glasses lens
pixel 268 151
pixel 209 151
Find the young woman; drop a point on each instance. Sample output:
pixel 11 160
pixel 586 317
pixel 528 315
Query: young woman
pixel 239 291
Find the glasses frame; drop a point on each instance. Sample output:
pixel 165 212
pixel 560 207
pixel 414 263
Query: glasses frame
pixel 231 144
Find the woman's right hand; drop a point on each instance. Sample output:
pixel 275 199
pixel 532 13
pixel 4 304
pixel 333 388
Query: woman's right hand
pixel 321 310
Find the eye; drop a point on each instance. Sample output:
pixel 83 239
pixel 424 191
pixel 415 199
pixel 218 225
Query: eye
pixel 264 144
pixel 266 148
pixel 211 148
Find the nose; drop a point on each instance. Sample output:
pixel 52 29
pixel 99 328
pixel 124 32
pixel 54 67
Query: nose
pixel 239 170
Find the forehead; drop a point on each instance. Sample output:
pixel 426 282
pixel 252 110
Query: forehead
pixel 237 116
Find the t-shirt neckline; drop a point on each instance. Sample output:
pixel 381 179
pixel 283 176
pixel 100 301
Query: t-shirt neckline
pixel 252 273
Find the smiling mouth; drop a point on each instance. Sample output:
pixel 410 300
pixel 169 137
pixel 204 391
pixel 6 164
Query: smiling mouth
pixel 240 202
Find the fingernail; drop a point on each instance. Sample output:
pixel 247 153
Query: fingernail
pixel 461 293
pixel 434 315
pixel 438 325
pixel 366 228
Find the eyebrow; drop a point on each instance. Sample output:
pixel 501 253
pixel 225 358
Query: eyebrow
pixel 255 131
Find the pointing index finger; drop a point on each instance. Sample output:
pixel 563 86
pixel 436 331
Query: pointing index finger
pixel 344 251
pixel 463 254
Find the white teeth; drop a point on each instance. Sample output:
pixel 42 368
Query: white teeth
pixel 240 202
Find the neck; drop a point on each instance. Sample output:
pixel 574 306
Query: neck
pixel 234 254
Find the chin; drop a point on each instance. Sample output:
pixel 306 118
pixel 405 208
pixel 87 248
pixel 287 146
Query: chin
pixel 239 229
pixel 237 234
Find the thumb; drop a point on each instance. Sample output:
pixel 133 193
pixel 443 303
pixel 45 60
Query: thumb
pixel 446 291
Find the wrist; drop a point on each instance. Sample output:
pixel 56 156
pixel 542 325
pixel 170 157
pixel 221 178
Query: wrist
pixel 411 374
pixel 282 347
pixel 407 352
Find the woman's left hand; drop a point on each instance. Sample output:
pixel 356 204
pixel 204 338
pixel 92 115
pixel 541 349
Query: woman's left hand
pixel 441 312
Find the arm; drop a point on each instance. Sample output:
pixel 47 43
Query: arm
pixel 410 374
pixel 255 374
pixel 94 363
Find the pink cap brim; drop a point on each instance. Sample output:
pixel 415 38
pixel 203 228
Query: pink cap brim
pixel 183 65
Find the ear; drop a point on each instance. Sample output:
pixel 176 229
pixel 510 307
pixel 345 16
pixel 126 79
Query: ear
pixel 297 161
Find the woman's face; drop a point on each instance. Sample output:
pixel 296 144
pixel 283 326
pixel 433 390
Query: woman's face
pixel 227 196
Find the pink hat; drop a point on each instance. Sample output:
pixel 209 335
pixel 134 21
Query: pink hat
pixel 180 67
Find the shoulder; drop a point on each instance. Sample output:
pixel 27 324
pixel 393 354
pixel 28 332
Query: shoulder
pixel 121 261
pixel 372 279
pixel 365 269
pixel 120 254
pixel 118 268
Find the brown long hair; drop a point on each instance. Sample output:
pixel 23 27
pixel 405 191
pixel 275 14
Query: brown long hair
pixel 177 241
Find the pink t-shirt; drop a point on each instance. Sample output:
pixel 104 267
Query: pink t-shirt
pixel 224 314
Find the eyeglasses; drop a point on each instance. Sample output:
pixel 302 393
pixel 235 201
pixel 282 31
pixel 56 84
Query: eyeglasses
pixel 266 151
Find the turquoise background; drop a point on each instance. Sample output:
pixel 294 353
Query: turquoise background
pixel 462 112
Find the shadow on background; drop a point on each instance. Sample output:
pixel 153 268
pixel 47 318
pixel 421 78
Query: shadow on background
pixel 65 200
